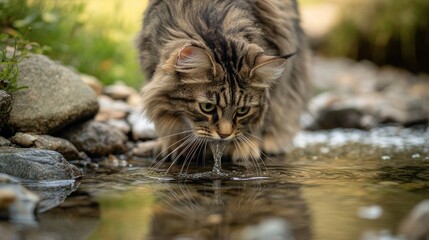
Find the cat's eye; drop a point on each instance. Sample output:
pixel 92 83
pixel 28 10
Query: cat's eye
pixel 243 111
pixel 207 107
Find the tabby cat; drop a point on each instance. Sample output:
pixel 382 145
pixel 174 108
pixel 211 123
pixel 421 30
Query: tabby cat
pixel 228 70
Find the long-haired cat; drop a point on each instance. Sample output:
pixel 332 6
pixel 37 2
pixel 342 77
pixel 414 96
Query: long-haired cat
pixel 228 70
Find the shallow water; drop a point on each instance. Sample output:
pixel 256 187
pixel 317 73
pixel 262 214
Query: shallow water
pixel 341 184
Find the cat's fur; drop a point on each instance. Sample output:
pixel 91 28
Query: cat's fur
pixel 231 53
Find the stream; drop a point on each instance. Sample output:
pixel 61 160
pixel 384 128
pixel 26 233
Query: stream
pixel 338 184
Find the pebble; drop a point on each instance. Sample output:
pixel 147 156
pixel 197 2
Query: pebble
pixel 119 91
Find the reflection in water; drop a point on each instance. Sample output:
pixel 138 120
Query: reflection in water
pixel 229 210
pixel 51 193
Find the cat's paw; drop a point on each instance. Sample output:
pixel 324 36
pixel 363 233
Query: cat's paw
pixel 148 149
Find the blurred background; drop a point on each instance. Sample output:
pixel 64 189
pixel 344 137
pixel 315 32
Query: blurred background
pixel 96 37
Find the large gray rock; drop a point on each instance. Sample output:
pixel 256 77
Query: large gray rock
pixel 5 107
pixel 36 164
pixel 56 97
pixel 96 139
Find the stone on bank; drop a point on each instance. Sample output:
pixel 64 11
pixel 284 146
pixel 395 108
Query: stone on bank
pixel 55 97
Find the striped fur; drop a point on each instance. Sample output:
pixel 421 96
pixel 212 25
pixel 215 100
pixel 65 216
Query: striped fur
pixel 235 54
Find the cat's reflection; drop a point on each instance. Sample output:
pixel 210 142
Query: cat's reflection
pixel 230 210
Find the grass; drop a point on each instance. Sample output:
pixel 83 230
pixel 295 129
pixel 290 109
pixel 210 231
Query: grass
pixel 95 37
pixel 12 51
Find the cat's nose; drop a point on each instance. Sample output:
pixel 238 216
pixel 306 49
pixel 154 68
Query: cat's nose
pixel 224 129
pixel 224 135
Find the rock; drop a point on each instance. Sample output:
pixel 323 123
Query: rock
pixel 5 107
pixel 17 204
pixel 119 91
pixel 96 138
pixel 56 97
pixel 63 146
pixel 112 109
pixel 416 225
pixel 4 142
pixel 36 164
pixel 361 95
pixel 93 82
pixel 339 110
pixel 119 124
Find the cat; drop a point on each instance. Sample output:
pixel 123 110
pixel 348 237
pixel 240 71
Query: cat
pixel 224 70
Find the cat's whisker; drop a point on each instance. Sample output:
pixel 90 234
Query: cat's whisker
pixel 265 156
pixel 158 163
pixel 256 161
pixel 242 154
pixel 253 147
pixel 190 154
pixel 167 148
pixel 185 140
pixel 201 146
pixel 187 144
pixel 176 134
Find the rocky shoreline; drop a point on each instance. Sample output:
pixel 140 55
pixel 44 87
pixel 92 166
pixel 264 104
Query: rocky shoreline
pixel 65 120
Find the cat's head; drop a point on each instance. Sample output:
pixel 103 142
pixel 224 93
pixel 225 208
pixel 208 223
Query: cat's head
pixel 217 95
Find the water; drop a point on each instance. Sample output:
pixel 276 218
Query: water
pixel 341 184
pixel 217 148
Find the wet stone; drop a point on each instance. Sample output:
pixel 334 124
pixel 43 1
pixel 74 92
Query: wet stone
pixel 36 164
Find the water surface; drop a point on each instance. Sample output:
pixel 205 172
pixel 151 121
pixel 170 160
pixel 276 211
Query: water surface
pixel 341 184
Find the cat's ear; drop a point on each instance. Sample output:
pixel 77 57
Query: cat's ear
pixel 267 68
pixel 193 59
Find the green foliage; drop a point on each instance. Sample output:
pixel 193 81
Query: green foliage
pixel 12 51
pixel 69 34
pixel 384 31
